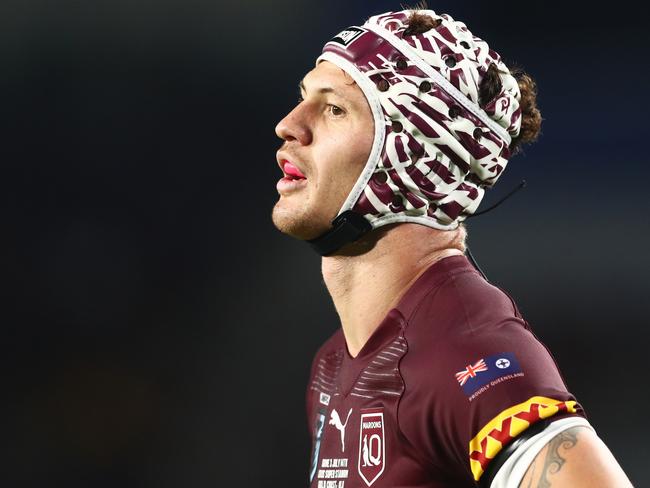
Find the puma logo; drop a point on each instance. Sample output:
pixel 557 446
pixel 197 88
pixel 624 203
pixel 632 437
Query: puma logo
pixel 335 420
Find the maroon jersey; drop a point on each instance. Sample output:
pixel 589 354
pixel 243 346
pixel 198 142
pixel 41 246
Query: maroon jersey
pixel 451 375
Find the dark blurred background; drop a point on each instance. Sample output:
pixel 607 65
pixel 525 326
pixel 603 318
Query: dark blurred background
pixel 157 329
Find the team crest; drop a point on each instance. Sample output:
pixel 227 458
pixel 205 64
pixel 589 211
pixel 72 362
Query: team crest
pixel 372 446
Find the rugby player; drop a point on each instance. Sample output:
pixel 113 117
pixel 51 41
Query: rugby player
pixel 434 378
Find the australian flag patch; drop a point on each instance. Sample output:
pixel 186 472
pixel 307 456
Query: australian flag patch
pixel 488 371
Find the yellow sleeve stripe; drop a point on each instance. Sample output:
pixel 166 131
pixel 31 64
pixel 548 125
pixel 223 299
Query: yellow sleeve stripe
pixel 508 425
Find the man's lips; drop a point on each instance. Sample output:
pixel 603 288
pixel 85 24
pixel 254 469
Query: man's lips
pixel 291 170
pixel 293 179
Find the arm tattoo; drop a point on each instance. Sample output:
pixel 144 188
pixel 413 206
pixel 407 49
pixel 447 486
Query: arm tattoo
pixel 553 461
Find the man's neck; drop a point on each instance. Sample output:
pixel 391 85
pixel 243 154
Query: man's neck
pixel 368 278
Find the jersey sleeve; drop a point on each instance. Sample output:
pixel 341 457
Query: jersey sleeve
pixel 489 379
pixel 513 470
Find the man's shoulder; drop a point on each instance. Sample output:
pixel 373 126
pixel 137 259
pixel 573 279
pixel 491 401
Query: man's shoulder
pixel 469 321
pixel 464 303
pixel 464 321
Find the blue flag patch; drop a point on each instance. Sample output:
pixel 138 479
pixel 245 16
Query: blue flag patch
pixel 487 370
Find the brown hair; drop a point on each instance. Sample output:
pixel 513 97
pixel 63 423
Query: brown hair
pixel 419 23
pixel 490 86
pixel 531 117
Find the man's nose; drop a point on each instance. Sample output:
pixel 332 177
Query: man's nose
pixel 294 127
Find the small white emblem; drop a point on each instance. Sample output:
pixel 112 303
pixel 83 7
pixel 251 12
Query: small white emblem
pixel 324 398
pixel 502 363
pixel 335 420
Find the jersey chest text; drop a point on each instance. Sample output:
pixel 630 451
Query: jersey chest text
pixel 351 445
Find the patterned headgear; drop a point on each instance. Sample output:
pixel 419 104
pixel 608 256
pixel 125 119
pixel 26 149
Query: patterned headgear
pixel 435 149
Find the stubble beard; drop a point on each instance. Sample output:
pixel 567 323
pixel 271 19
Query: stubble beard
pixel 299 220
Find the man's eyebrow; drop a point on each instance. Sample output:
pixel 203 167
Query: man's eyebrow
pixel 325 89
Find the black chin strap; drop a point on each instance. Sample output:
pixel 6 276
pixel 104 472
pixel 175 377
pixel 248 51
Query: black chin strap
pixel 347 227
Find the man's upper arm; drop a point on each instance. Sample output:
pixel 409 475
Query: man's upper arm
pixel 576 457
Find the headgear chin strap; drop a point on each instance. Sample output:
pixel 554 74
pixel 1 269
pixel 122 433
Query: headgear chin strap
pixel 435 150
pixel 346 228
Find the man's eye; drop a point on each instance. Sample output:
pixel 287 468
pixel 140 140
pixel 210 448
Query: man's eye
pixel 335 111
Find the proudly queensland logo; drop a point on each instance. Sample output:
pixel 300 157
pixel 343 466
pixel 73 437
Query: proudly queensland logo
pixel 348 36
pixel 372 445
